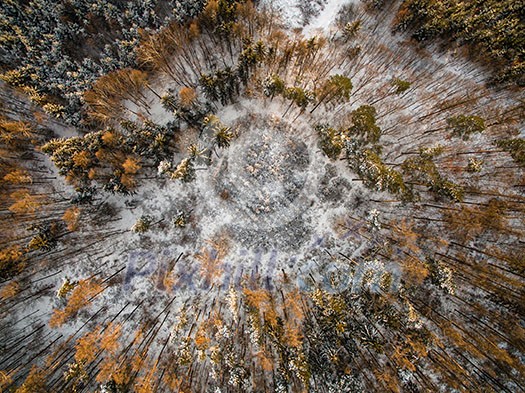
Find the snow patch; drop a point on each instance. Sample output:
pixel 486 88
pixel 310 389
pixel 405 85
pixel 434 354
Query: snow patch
pixel 326 18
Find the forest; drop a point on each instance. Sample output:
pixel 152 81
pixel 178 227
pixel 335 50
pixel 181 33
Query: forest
pixel 262 196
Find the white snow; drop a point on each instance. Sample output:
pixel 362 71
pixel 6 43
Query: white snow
pixel 287 10
pixel 322 22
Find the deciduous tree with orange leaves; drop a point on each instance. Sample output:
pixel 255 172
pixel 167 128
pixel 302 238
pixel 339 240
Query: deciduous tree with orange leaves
pixel 80 297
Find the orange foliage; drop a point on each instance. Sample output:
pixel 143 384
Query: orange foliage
pixel 468 223
pixel 137 361
pixel 211 257
pixel 10 257
pixel 389 380
pixel 87 346
pixel 417 347
pixel 400 357
pixel 80 298
pixel 108 367
pixel 139 333
pixel 81 159
pixel 9 290
pixel 202 341
pixel 93 342
pixel 415 271
pixel 173 383
pixel 109 340
pixel 406 237
pixel 146 383
pixel 101 154
pixel 109 138
pixel 187 96
pixel 258 298
pixel 12 133
pixel 34 383
pixel 71 217
pixel 210 265
pixel 295 316
pixel 261 300
pixel 92 174
pixel 211 9
pixel 266 361
pixel 18 176
pixel 131 165
pixel 293 334
pixel 194 30
pixel 128 181
pixel 25 202
pixel 293 305
pixel 169 281
pixel 71 178
pixel 104 98
pixel 120 375
pixel 5 380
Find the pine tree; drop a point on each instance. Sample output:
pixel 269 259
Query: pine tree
pixel 463 126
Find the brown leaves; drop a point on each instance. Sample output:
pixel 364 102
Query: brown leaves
pixel 290 311
pixel 107 93
pixel 265 360
pixel 295 315
pixel 400 357
pixel 187 96
pixel 211 258
pixel 155 50
pixel 202 341
pixel 25 203
pixel 389 379
pixel 71 217
pixel 5 380
pixel 128 181
pixel 80 298
pixel 34 383
pixel 173 383
pixel 258 298
pixel 82 159
pixel 109 339
pixel 86 346
pixel 293 334
pixel 110 346
pixel 406 237
pixel 14 133
pixel 468 223
pixel 209 264
pixel 9 291
pixel 110 138
pixel 261 301
pixel 131 165
pixel 146 383
pixel 415 271
pixel 10 255
pixel 18 176
pixel 90 345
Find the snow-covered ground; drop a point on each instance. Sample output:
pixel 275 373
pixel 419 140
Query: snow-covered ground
pixel 322 22
pixel 312 17
pixel 287 9
pixel 272 196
